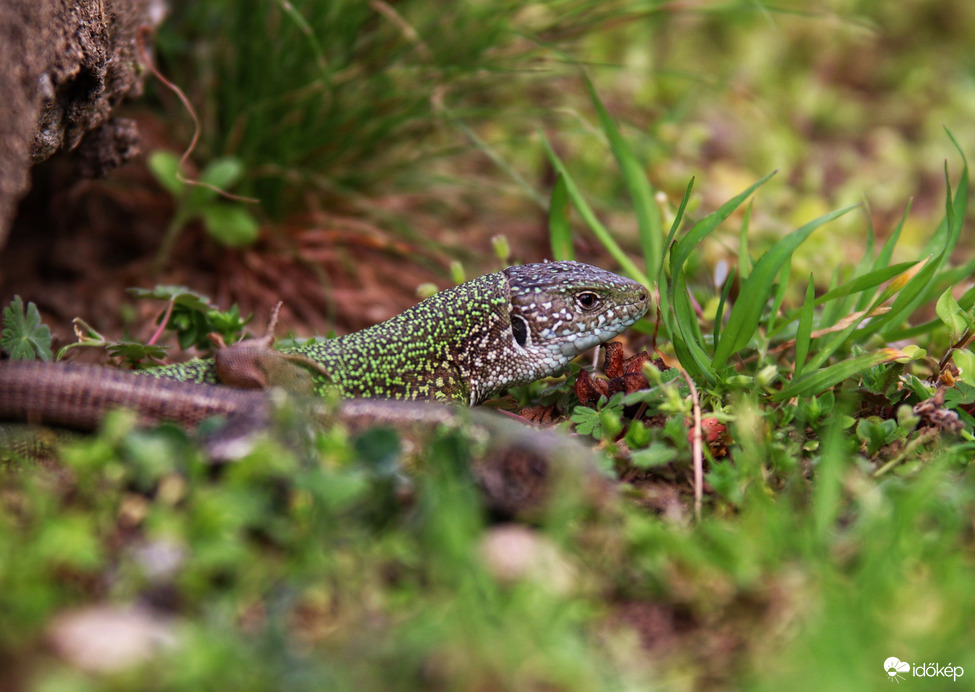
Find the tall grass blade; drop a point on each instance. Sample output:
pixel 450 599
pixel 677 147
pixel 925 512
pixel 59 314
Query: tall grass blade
pixel 747 311
pixel 559 229
pixel 817 382
pixel 595 225
pixel 649 224
pixel 703 228
pixel 832 313
pixel 861 284
pixel 804 330
pixel 722 301
pixel 665 313
pixel 744 259
pixel 827 490
pixel 686 319
pixel 782 284
pixel 689 329
pixel 920 285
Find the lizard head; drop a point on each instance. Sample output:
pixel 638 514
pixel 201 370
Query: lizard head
pixel 559 310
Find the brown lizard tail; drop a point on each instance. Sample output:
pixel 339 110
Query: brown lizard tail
pixel 78 396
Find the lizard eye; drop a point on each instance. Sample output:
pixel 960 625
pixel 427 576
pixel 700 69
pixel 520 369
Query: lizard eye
pixel 587 300
pixel 519 327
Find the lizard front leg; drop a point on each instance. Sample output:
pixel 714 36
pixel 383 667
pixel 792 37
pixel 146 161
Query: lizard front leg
pixel 254 364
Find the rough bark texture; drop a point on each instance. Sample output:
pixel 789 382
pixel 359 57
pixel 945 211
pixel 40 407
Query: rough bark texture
pixel 64 66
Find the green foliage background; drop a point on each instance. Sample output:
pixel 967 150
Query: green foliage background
pixel 832 537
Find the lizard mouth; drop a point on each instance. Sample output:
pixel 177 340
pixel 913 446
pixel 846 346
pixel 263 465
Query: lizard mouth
pixel 643 304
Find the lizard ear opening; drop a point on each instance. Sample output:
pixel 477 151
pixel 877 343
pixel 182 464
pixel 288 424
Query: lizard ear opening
pixel 519 327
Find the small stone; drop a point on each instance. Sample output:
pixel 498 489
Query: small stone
pixel 512 553
pixel 110 638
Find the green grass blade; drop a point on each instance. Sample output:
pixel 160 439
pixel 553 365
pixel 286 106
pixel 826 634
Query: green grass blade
pixel 686 319
pixel 667 319
pixel 703 228
pixel 887 251
pixel 866 281
pixel 804 330
pixel 920 285
pixel 722 301
pixel 694 367
pixel 744 259
pixel 497 159
pixel 747 310
pixel 649 224
pixel 600 231
pixel 559 229
pixel 687 325
pixel 680 215
pixel 870 248
pixel 831 313
pixel 830 344
pixel 913 332
pixel 952 276
pixel 817 382
pixel 828 489
pixel 782 287
pixel 860 284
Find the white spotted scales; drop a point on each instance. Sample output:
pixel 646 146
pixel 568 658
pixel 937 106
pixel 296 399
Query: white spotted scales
pixel 473 341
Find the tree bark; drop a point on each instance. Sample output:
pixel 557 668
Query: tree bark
pixel 65 65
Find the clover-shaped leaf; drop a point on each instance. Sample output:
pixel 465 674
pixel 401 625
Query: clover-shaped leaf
pixel 24 337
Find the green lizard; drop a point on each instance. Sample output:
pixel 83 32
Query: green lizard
pixel 465 344
pixel 462 345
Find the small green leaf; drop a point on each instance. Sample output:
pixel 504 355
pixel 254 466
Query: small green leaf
pixel 164 166
pixel 223 172
pixel 606 422
pixel 952 315
pixel 638 435
pixel 964 360
pixel 182 295
pixel 133 352
pixel 24 337
pixel 502 248
pixel 960 395
pixel 230 224
pixel 71 541
pixel 876 433
pixel 228 323
pixel 655 455
pixel 457 273
pixel 585 419
pixel 609 419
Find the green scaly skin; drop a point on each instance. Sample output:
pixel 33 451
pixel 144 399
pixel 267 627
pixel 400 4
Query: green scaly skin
pixel 470 342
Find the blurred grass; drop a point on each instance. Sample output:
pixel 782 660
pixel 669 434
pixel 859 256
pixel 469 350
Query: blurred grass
pixel 331 98
pixel 343 103
pixel 835 535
